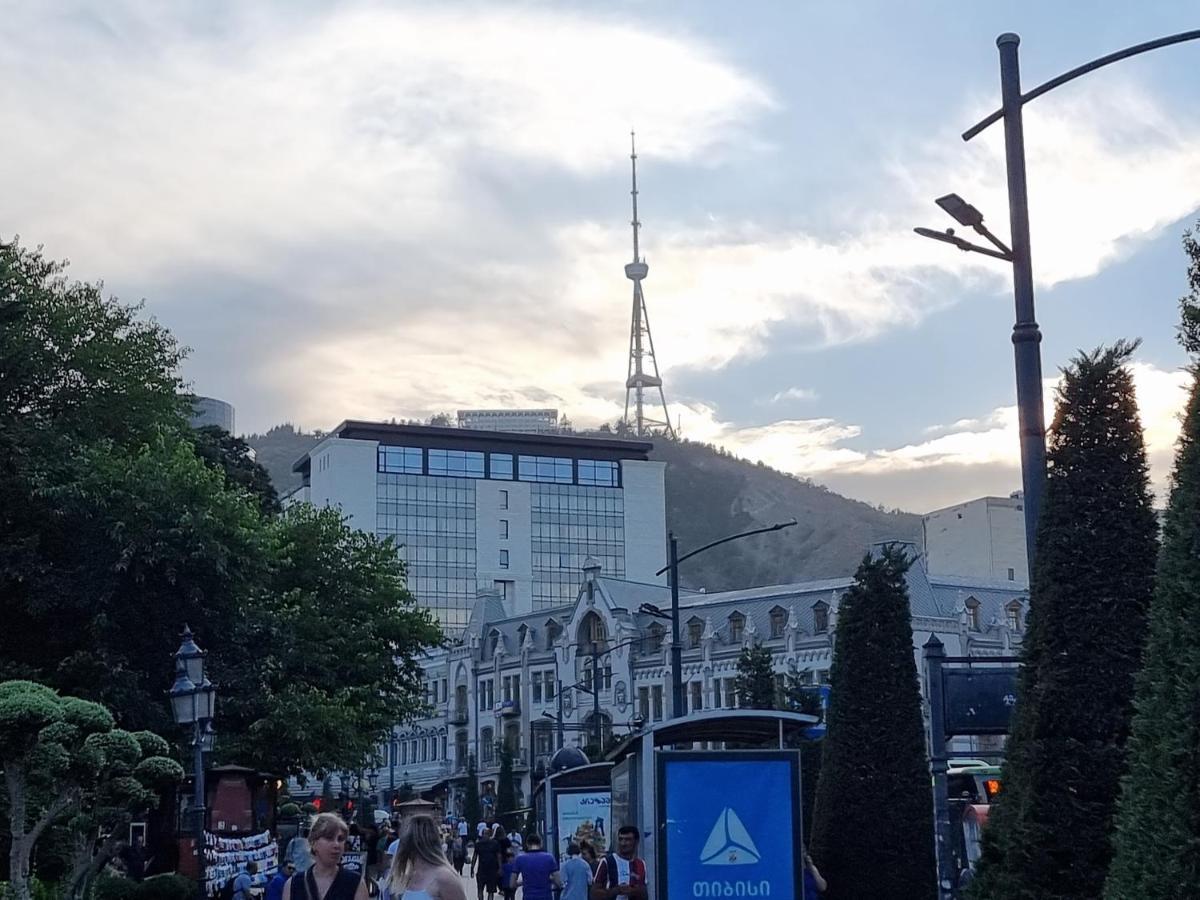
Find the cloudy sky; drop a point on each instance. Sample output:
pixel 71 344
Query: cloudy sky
pixel 380 210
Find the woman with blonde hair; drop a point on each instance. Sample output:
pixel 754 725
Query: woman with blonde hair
pixel 419 868
pixel 325 878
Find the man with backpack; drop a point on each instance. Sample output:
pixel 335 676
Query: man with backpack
pixel 621 875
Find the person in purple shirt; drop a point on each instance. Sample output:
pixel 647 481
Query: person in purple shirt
pixel 538 871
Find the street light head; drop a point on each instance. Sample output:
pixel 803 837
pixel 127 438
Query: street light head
pixel 960 210
pixel 649 609
pixel 190 658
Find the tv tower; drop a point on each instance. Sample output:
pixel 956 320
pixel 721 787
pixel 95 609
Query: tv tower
pixel 641 343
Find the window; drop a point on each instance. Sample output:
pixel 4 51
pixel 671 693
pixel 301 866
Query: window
pixel 778 622
pixel 554 469
pixel 656 702
pixel 504 529
pixel 1012 574
pixel 402 460
pixel 444 754
pixel 697 690
pixel 598 472
pixel 504 589
pixel 716 693
pixel 553 633
pixel 504 499
pixel 737 628
pixel 543 738
pixel 695 632
pixel 730 694
pixel 486 696
pixel 1013 615
pixel 487 745
pixel 510 687
pixel 457 463
pixel 972 607
pixel 535 687
pixel 820 617
pixel 501 466
pixel 644 703
pixel 655 635
pixel 504 559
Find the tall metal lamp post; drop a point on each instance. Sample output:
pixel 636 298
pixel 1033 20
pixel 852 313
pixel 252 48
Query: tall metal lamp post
pixel 1026 334
pixel 650 609
pixel 193 705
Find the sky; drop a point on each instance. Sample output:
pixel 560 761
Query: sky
pixel 389 210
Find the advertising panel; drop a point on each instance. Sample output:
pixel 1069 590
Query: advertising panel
pixel 979 701
pixel 731 825
pixel 583 816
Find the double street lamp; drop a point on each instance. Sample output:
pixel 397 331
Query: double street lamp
pixel 193 705
pixel 673 616
pixel 1026 335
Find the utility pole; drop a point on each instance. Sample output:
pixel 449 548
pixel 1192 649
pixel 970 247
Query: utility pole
pixel 934 653
pixel 676 646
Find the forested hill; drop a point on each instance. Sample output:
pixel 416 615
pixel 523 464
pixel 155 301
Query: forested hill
pixel 711 494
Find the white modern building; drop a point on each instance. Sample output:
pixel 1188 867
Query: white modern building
pixel 518 421
pixel 982 538
pixel 502 683
pixel 511 514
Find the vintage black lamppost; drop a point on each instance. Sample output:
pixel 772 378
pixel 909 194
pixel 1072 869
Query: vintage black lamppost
pixel 193 705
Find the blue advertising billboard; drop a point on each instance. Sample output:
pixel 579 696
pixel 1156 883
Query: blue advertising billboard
pixel 731 824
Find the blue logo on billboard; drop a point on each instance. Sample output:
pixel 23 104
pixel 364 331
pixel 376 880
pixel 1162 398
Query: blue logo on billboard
pixel 729 843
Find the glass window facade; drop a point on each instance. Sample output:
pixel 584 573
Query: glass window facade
pixel 434 519
pixel 401 460
pixel 456 463
pixel 598 472
pixel 500 465
pixel 568 525
pixel 553 469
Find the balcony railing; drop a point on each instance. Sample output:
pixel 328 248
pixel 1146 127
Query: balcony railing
pixel 457 715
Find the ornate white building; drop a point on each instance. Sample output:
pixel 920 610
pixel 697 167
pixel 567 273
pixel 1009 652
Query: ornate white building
pixel 502 683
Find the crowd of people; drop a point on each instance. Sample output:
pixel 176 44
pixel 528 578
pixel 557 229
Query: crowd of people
pixel 422 859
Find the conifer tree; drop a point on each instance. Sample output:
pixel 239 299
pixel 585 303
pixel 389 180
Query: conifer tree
pixel 506 788
pixel 873 821
pixel 1157 840
pixel 755 680
pixel 472 811
pixel 1048 834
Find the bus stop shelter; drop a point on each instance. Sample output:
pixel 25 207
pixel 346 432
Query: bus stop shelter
pixel 715 822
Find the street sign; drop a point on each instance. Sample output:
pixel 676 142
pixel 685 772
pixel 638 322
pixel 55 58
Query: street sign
pixel 979 701
pixel 731 824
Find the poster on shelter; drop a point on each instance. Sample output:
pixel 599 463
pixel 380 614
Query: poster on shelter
pixel 584 816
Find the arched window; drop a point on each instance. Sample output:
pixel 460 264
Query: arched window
pixel 522 633
pixel 487 746
pixel 1013 615
pixel 553 633
pixel 695 631
pixel 972 607
pixel 460 749
pixel 820 617
pixel 737 627
pixel 494 639
pixel 779 618
pixel 592 631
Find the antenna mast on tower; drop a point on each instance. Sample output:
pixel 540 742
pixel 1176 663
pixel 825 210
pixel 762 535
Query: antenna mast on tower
pixel 641 343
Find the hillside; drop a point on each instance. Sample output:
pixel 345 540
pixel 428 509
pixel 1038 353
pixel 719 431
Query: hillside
pixel 711 494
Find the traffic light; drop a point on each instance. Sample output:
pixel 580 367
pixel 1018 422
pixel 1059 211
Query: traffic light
pixel 991 787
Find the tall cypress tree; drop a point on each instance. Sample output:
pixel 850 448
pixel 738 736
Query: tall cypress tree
pixel 472 811
pixel 873 821
pixel 1048 835
pixel 1157 839
pixel 755 680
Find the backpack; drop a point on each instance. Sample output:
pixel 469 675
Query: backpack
pixel 226 892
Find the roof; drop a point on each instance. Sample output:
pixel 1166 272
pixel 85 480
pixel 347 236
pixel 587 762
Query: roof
pixel 391 434
pixel 743 726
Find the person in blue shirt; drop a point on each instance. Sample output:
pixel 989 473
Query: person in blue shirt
pixel 537 870
pixel 244 881
pixel 275 885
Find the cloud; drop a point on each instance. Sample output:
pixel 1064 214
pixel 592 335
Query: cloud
pixel 970 457
pixel 794 393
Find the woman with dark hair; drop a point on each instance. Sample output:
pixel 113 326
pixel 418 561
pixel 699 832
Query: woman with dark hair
pixel 419 868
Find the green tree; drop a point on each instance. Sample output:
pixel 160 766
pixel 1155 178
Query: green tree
pixel 873 820
pixel 1157 840
pixel 221 450
pixel 472 811
pixel 1048 835
pixel 333 643
pixel 755 680
pixel 63 758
